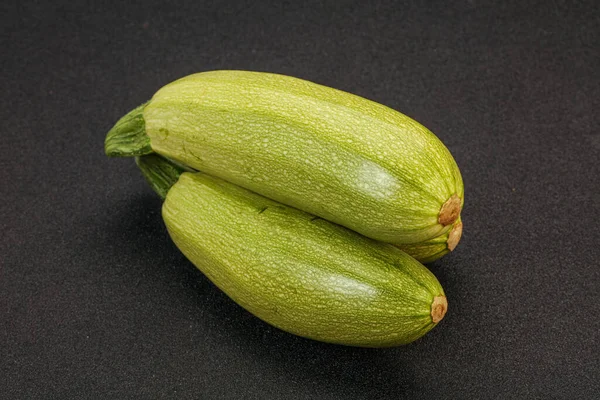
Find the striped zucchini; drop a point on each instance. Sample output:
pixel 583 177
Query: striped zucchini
pixel 298 272
pixel 330 153
pixel 434 249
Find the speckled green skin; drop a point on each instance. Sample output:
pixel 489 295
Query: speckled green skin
pixel 298 272
pixel 330 153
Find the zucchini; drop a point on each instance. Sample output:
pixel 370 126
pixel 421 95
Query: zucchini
pixel 434 249
pixel 330 153
pixel 296 271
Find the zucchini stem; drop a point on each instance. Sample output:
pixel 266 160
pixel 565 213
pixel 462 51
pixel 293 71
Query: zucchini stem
pixel 128 137
pixel 160 173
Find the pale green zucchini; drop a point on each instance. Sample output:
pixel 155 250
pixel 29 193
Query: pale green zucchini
pixel 434 249
pixel 298 272
pixel 333 154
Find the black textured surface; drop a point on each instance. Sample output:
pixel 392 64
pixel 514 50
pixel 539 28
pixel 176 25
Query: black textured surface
pixel 97 303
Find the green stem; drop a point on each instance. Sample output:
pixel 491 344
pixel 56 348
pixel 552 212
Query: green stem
pixel 160 173
pixel 128 137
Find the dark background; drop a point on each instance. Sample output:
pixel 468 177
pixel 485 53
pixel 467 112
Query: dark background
pixel 96 302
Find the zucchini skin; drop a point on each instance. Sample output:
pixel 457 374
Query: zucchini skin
pixel 330 153
pixel 298 272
